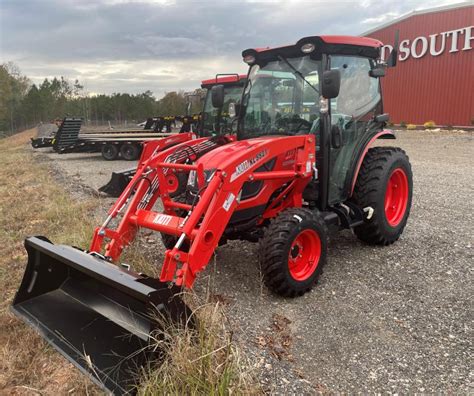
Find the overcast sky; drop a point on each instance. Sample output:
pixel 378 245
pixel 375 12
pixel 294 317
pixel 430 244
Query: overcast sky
pixel 163 45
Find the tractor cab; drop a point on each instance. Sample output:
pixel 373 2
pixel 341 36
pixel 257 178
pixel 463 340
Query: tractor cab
pixel 327 86
pixel 216 118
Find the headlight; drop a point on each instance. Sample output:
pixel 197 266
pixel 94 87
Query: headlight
pixel 307 48
pixel 249 59
pixel 192 178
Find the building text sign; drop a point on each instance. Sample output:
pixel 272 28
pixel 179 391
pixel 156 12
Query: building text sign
pixel 435 44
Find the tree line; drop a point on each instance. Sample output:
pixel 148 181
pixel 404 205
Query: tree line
pixel 24 104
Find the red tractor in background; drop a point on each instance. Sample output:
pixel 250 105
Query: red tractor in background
pixel 210 122
pixel 300 163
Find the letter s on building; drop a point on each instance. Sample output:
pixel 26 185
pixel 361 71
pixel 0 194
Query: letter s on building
pixel 404 50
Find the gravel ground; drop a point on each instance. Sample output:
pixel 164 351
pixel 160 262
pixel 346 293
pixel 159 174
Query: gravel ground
pixel 392 319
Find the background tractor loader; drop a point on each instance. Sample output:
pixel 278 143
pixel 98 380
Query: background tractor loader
pixel 211 121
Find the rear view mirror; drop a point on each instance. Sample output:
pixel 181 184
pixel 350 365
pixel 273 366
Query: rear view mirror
pixel 331 83
pixel 378 71
pixel 217 96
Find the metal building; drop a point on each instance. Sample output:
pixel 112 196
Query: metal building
pixel 434 77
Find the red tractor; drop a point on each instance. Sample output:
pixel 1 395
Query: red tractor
pixel 300 164
pixel 210 122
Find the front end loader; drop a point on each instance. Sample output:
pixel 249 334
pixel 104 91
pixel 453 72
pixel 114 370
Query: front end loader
pixel 300 165
pixel 211 121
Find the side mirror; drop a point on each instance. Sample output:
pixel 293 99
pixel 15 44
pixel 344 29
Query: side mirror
pixel 336 137
pixel 217 96
pixel 378 71
pixel 331 83
pixel 392 58
pixel 381 118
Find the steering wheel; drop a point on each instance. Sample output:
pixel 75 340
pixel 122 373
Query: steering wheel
pixel 297 121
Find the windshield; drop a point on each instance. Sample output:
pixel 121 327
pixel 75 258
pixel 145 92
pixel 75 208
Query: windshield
pixel 216 121
pixel 282 98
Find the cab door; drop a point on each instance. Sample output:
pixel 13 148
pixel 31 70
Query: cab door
pixel 359 100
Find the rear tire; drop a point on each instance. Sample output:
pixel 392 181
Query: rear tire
pixel 129 152
pixel 293 251
pixel 110 152
pixel 385 183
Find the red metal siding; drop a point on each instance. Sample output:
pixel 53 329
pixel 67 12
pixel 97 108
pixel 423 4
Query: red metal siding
pixel 438 88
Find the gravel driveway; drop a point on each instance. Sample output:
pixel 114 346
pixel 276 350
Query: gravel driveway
pixel 393 319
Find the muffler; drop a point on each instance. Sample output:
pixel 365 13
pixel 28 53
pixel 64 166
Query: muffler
pixel 101 317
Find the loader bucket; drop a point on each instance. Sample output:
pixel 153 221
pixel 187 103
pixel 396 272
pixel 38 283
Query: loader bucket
pixel 118 182
pixel 99 316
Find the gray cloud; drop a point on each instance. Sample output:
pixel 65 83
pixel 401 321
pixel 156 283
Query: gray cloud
pixel 115 45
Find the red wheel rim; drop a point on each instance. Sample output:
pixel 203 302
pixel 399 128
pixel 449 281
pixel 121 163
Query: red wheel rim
pixel 304 255
pixel 396 197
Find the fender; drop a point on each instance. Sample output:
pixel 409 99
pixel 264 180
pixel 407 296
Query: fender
pixel 384 134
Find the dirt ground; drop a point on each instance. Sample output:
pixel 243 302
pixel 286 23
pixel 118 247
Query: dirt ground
pixel 393 319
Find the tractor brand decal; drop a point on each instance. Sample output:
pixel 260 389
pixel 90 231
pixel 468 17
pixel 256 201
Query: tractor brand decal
pixel 228 202
pixel 247 164
pixel 288 163
pixel 290 154
pixel 162 219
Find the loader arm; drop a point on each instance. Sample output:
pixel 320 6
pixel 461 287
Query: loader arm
pixel 206 221
pixel 142 193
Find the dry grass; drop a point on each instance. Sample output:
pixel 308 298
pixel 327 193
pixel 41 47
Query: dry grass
pixel 31 203
pixel 202 360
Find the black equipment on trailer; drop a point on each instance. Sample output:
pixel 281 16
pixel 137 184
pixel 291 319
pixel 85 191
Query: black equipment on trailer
pixel 126 143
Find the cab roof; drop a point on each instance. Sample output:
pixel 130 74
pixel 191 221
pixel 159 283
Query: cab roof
pixel 226 79
pixel 341 45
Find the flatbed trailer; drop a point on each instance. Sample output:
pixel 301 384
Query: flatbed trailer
pixel 124 143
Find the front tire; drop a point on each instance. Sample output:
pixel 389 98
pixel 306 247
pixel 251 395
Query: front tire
pixel 293 251
pixel 385 183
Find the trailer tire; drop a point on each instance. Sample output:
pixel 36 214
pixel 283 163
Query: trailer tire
pixel 384 183
pixel 110 152
pixel 129 151
pixel 293 251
